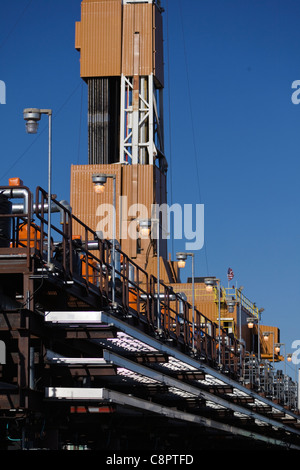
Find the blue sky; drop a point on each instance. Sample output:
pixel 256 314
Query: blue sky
pixel 232 131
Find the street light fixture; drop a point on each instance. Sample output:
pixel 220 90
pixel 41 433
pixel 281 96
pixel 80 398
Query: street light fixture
pixel 181 257
pixel 277 347
pixel 32 117
pixel 99 181
pixel 210 283
pixel 266 335
pixel 251 321
pixel 145 229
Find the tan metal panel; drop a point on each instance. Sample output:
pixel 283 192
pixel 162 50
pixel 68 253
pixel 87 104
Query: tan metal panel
pixel 98 37
pixel 267 346
pixel 137 18
pixel 86 203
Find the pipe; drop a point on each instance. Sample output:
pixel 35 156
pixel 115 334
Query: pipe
pixel 17 193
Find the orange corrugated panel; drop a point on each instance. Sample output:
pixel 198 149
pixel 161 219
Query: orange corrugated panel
pixel 137 18
pixel 129 192
pixel 267 346
pixel 98 37
pixel 86 204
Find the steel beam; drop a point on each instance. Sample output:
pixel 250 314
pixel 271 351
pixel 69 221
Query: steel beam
pixel 99 317
pixel 103 395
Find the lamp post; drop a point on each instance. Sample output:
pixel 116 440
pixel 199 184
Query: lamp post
pixel 277 347
pixel 266 335
pixel 145 229
pixel 289 358
pixel 32 116
pixel 251 321
pixel 258 331
pixel 181 257
pixel 239 290
pixel 209 284
pixel 99 181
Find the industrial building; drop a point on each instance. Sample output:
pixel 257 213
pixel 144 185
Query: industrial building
pixel 103 346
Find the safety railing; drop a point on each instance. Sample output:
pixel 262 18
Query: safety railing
pixel 238 296
pixel 136 291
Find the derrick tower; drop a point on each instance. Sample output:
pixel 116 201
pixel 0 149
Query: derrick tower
pixel 121 61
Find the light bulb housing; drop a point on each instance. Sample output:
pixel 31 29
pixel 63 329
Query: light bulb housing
pixel 32 116
pixel 145 227
pixel 181 264
pixel 209 284
pixel 181 258
pixel 99 182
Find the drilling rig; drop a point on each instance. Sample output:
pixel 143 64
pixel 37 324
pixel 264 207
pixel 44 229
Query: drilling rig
pixel 102 347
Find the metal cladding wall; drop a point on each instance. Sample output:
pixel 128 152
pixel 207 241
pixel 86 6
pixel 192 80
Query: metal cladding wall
pixel 85 202
pixel 105 39
pixel 145 20
pixel 204 301
pixel 137 185
pixel 98 37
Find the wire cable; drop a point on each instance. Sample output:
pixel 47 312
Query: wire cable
pixel 15 25
pixel 39 134
pixel 169 114
pixel 191 116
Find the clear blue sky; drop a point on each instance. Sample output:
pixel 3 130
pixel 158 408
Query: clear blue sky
pixel 232 131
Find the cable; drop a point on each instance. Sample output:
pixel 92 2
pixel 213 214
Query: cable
pixel 169 113
pixel 39 134
pixel 14 26
pixel 191 115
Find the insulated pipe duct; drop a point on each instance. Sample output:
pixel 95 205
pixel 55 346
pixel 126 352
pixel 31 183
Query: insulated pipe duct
pixel 18 193
pixel 162 296
pixel 23 208
pixel 183 298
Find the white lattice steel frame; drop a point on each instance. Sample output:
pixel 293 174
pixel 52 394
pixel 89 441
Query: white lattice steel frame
pixel 140 125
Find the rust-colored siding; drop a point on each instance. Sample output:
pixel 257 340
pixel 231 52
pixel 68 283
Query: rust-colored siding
pixel 98 37
pixel 85 202
pixel 135 182
pixel 105 38
pixel 137 19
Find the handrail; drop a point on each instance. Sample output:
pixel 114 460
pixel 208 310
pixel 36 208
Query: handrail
pixel 96 269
